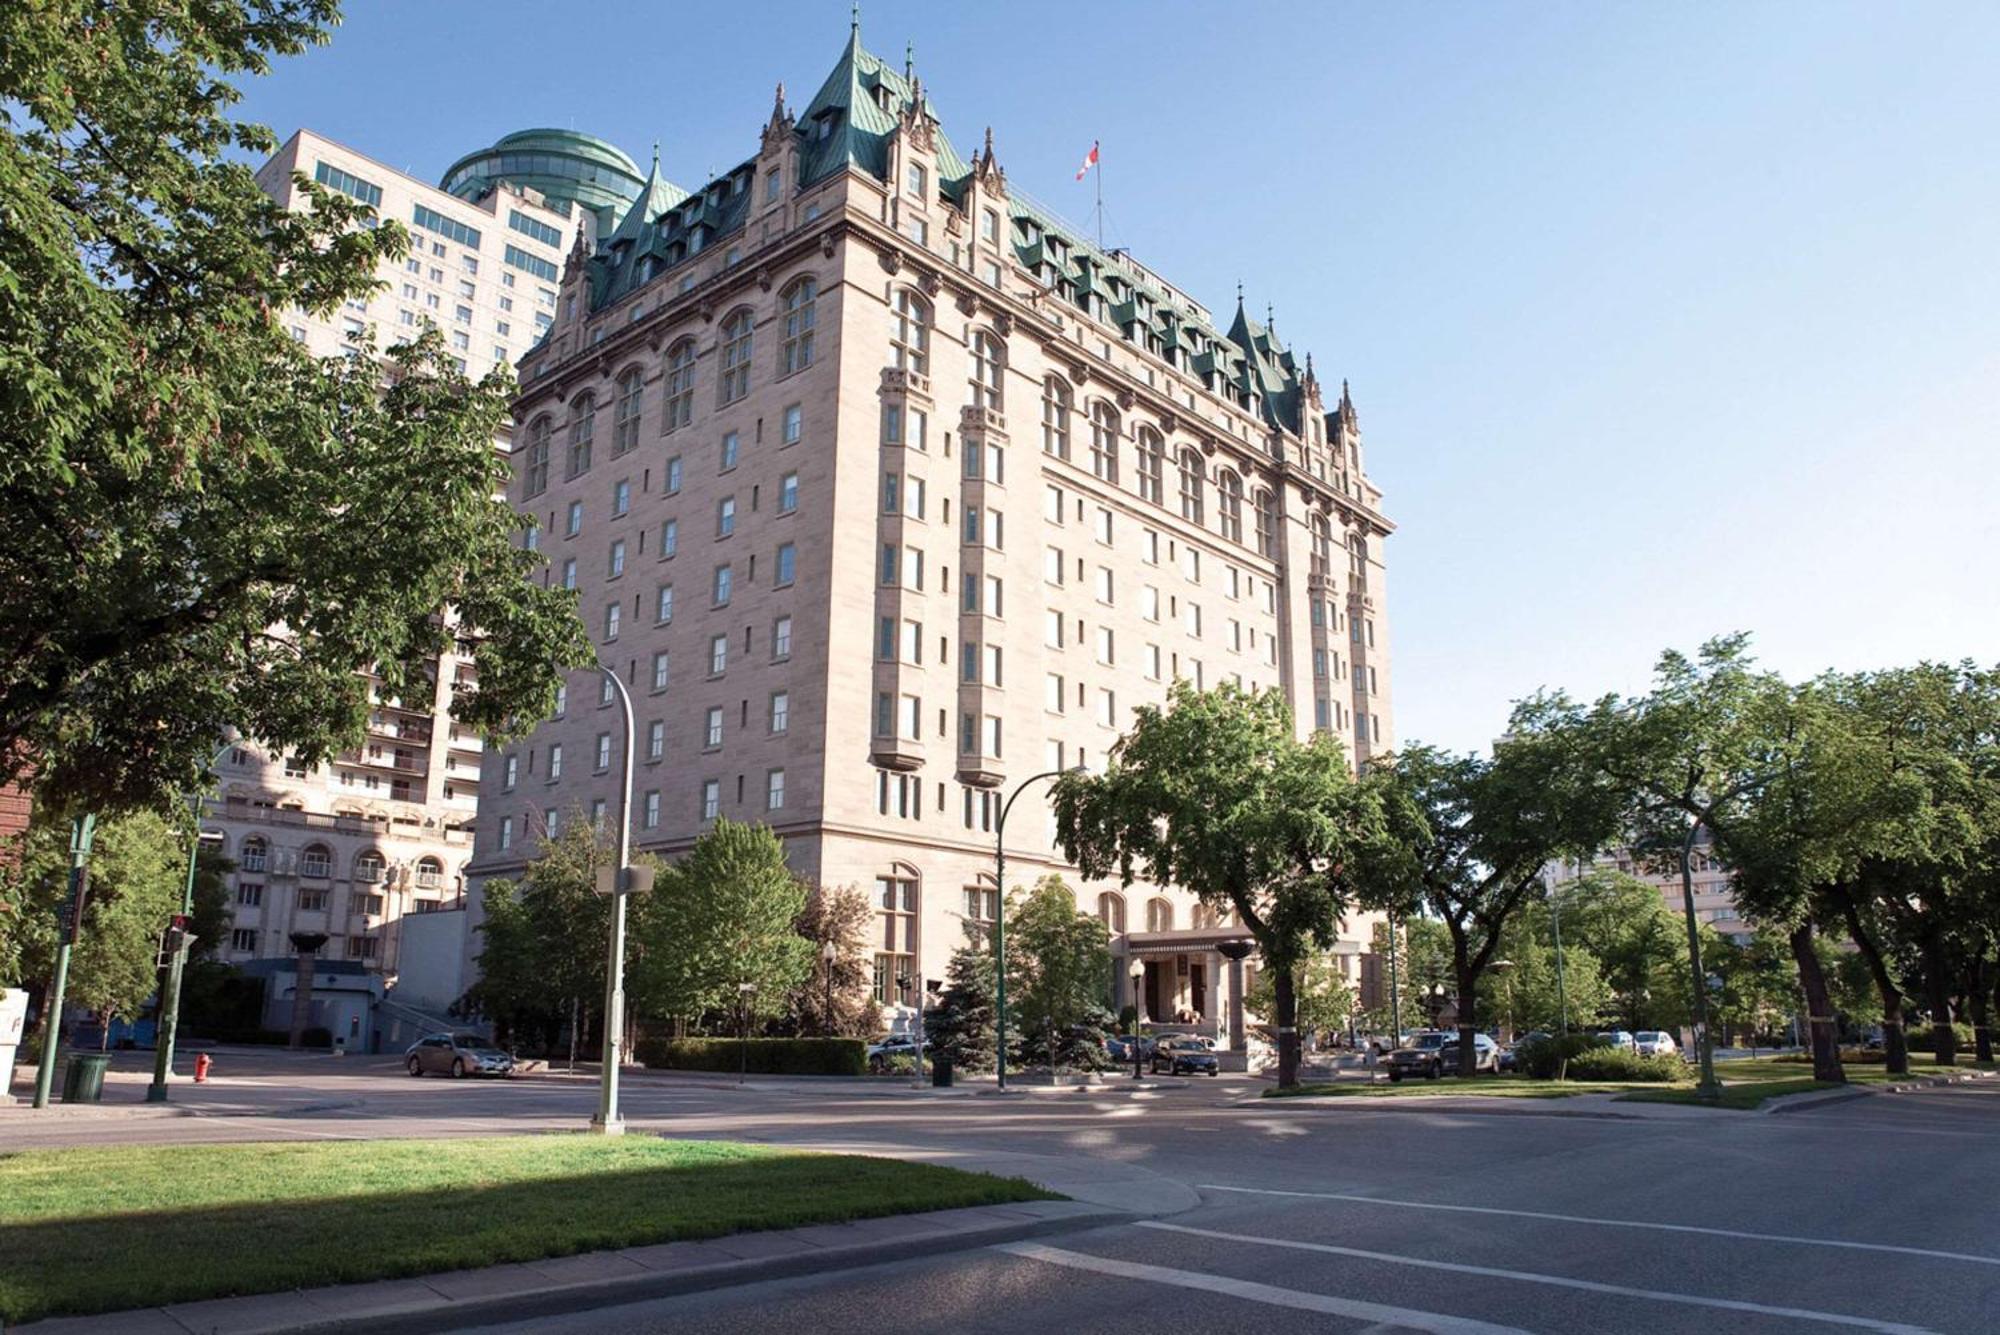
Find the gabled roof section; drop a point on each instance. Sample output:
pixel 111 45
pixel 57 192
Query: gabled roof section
pixel 849 120
pixel 1269 370
pixel 655 198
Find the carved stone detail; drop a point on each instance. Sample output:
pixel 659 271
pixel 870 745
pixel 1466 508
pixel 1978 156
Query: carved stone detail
pixel 826 243
pixel 892 260
pixel 764 279
pixel 931 283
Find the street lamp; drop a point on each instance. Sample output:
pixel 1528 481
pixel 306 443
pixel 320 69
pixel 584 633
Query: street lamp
pixel 82 836
pixel 1138 973
pixel 828 952
pixel 1000 913
pixel 744 991
pixel 607 1120
pixel 170 999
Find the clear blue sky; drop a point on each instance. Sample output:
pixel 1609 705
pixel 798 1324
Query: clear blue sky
pixel 1662 320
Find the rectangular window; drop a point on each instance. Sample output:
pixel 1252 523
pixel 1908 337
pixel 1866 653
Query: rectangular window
pixel 433 221
pixel 711 732
pixel 574 519
pixel 788 560
pixel 723 586
pixel 611 617
pixel 731 448
pixel 617 565
pixel 661 670
pixel 670 537
pixel 774 791
pixel 621 499
pixel 555 761
pixel 711 798
pixel 1107 708
pixel 1104 585
pixel 913 568
pixel 788 493
pixel 348 184
pixel 781 711
pixel 533 227
pixel 1153 662
pixel 656 739
pixel 1052 628
pixel 603 752
pixel 649 817
pixel 1055 698
pixel 718 655
pixel 673 480
pixel 665 606
pixel 533 264
pixel 781 638
pixel 1053 565
pixel 794 425
pixel 1105 654
pixel 725 516
pixel 513 772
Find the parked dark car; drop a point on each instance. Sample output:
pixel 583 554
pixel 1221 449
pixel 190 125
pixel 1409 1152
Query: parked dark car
pixel 1118 1047
pixel 1510 1056
pixel 457 1055
pixel 1185 1056
pixel 1431 1052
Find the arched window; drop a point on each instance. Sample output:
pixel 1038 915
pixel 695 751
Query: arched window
pixel 982 902
pixel 536 474
pixel 735 376
pixel 1055 417
pixel 1357 553
pixel 254 855
pixel 316 861
pixel 1267 523
pixel 989 366
pixel 1104 441
pixel 430 874
pixel 1229 504
pixel 1159 915
pixel 1191 497
pixel 368 868
pixel 1111 911
pixel 625 421
pixel 797 353
pixel 1322 546
pixel 1152 466
pixel 1202 917
pixel 680 385
pixel 898 905
pixel 911 339
pixel 582 427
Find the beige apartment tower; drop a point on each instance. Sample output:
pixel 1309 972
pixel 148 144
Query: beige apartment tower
pixel 883 491
pixel 351 847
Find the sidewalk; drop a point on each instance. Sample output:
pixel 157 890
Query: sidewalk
pixel 568 1284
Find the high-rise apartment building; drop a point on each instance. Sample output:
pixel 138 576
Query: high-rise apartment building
pixel 1714 882
pixel 347 848
pixel 883 491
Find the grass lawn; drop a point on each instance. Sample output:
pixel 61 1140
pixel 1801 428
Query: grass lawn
pixel 90 1230
pixel 1747 1083
pixel 1506 1086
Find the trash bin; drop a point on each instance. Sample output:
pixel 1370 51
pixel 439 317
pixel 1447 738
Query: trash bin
pixel 941 1072
pixel 83 1078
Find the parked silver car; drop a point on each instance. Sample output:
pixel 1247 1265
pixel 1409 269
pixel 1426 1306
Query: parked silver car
pixel 457 1055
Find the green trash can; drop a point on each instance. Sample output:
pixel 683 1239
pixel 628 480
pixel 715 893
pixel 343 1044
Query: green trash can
pixel 941 1072
pixel 83 1078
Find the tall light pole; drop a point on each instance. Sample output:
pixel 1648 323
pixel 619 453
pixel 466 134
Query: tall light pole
pixel 170 999
pixel 1000 913
pixel 607 1120
pixel 828 953
pixel 82 833
pixel 1138 972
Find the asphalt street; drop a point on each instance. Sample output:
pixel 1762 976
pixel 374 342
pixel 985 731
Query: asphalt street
pixel 1878 1214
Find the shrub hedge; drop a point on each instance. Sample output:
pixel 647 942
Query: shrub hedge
pixel 1543 1059
pixel 1608 1063
pixel 761 1056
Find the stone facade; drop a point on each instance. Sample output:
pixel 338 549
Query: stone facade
pixel 877 517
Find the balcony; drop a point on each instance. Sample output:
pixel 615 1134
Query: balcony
pixel 898 380
pixel 236 809
pixel 401 729
pixel 901 754
pixel 981 771
pixel 976 421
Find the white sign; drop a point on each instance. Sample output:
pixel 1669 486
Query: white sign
pixel 13 1018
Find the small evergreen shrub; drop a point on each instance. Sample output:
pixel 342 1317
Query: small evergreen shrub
pixel 760 1056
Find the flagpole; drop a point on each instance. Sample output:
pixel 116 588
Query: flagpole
pixel 1098 149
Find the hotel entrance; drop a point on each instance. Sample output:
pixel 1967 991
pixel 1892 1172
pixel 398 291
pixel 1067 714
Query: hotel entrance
pixel 1190 983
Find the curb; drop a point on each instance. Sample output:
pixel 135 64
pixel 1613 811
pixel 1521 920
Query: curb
pixel 453 1300
pixel 1801 1102
pixel 1440 1103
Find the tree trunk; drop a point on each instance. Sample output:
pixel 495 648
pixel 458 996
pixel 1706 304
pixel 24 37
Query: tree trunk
pixel 1287 1005
pixel 1819 1008
pixel 1937 987
pixel 575 1025
pixel 1468 1026
pixel 1895 1044
pixel 1982 1033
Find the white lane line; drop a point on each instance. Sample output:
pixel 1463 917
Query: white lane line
pixel 1397 1318
pixel 1844 1245
pixel 1558 1281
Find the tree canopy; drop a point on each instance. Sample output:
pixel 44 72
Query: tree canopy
pixel 201 524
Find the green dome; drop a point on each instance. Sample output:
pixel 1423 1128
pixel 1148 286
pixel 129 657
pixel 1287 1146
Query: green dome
pixel 561 164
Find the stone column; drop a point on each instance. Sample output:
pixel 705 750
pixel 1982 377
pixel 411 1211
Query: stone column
pixel 307 944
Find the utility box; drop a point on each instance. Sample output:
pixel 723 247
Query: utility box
pixel 13 1019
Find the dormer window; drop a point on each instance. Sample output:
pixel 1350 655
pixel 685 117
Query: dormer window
pixel 882 96
pixel 917 179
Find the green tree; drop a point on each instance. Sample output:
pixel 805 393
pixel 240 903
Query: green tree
pixel 1324 1000
pixel 178 476
pixel 721 917
pixel 1215 793
pixel 840 915
pixel 962 1026
pixel 1759 982
pixel 543 941
pixel 1694 753
pixel 1531 994
pixel 1059 967
pixel 136 875
pixel 1481 831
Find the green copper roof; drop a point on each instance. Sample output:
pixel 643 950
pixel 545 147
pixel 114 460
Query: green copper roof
pixel 849 121
pixel 561 164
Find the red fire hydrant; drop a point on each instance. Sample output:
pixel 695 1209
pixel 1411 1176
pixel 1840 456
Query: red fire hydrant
pixel 202 1062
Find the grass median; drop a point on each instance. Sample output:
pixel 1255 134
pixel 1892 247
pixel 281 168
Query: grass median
pixel 1505 1087
pixel 1749 1082
pixel 99 1230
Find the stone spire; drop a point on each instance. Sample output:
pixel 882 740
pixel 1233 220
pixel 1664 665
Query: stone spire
pixel 1345 412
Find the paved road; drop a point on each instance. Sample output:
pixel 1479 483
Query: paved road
pixel 1878 1214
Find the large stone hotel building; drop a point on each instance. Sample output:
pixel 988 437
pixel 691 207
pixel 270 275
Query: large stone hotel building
pixel 883 491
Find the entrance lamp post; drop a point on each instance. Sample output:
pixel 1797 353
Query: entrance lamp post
pixel 1000 914
pixel 180 942
pixel 1138 973
pixel 828 952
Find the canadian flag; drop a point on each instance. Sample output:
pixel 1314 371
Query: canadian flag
pixel 1089 161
